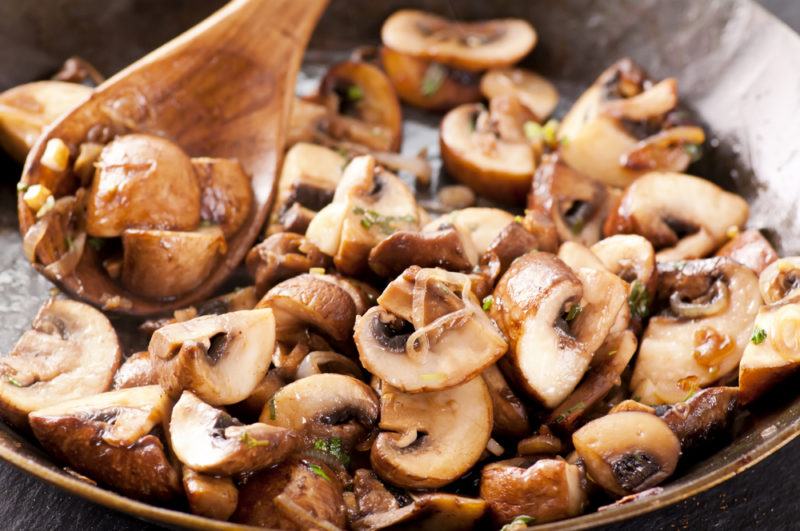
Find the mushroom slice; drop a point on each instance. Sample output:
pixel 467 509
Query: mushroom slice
pixel 145 182
pixel 27 109
pixel 750 248
pixel 448 248
pixel 428 440
pixel 309 176
pixel 321 362
pixel 483 224
pixel 210 441
pixel 510 417
pixel 471 46
pixel 671 210
pixel 577 204
pixel 363 105
pixel 294 495
pixel 627 452
pixel 370 205
pixel 70 352
pixel 111 438
pixel 629 256
pixel 307 301
pixel 428 84
pixel 226 196
pixel 428 512
pixel 428 333
pixel 700 338
pixel 578 256
pixel 545 490
pixel 307 120
pixel 210 496
pixel 280 257
pixel 161 263
pixel 702 419
pixel 780 281
pixel 555 320
pixel 220 358
pixel 325 406
pixel 613 132
pixel 532 90
pixel 137 370
pixel 492 162
pixel 773 352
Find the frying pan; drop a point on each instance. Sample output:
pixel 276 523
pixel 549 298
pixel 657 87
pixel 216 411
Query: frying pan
pixel 739 72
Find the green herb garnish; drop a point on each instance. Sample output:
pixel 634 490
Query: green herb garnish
pixel 334 447
pixel 354 93
pixel 550 132
pixel 694 151
pixel 252 442
pixel 22 187
pixel 519 521
pixel 487 303
pixel 574 311
pixel 639 300
pixel 533 131
pixel 13 381
pixel 433 79
pixel 580 406
pixel 759 335
pixel 386 224
pixel 271 405
pixel 518 219
pixel 318 471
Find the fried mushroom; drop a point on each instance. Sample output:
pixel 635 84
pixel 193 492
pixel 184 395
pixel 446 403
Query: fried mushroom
pixel 780 280
pixel 510 417
pixel 428 512
pixel 447 248
pixel 226 196
pixel 483 224
pixel 209 496
pixel 750 248
pixel 280 257
pixel 532 90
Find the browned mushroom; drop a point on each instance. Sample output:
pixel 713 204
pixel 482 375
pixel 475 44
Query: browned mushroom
pixel 544 490
pixel 280 257
pixel 226 196
pixel 710 306
pixel 483 224
pixel 307 120
pixel 435 511
pixel 210 496
pixel 750 248
pixel 112 438
pixel 448 248
pixel 671 210
pixel 138 370
pixel 70 352
pixel 508 412
pixel 780 280
pixel 322 362
pixel 532 90
pixel 703 419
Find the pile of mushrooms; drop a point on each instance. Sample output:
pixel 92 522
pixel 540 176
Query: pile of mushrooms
pixel 385 353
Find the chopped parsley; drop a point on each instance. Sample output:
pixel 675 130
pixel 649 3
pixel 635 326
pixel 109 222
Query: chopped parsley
pixel 271 405
pixel 519 521
pixel 518 219
pixel 252 442
pixel 13 381
pixel 574 311
pixel 333 446
pixel 433 79
pixel 386 224
pixel 639 300
pixel 487 303
pixel 550 132
pixel 355 93
pixel 577 408
pixel 694 151
pixel 759 335
pixel 316 469
pixel 532 130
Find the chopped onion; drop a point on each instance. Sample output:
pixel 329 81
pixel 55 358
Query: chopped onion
pixel 65 266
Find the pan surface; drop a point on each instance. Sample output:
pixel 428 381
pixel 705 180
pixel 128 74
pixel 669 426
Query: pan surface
pixel 738 68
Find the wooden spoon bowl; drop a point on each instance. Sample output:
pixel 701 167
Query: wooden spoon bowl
pixel 222 89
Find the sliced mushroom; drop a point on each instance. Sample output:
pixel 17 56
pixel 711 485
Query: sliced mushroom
pixel 672 211
pixel 483 224
pixel 448 248
pixel 372 496
pixel 578 256
pixel 496 162
pixel 252 406
pixel 144 182
pixel 780 280
pixel 702 334
pixel 545 490
pixel 310 301
pixel 112 438
pixel 363 105
pixel 325 406
pixel 510 417
pixel 308 118
pixel 533 91
pixel 321 362
pixel 773 352
pixel 295 495
pixel 220 358
pixel 429 332
pixel 162 264
pixel 370 205
pixel 27 109
pixel 243 298
pixel 627 452
pixel 555 320
pixel 70 352
pixel 703 419
pixel 512 242
pixel 210 496
pixel 577 204
pixel 613 133
pixel 428 440
pixel 428 512
pixel 280 257
pixel 226 196
pixel 471 46
pixel 750 248
pixel 138 370
pixel 210 441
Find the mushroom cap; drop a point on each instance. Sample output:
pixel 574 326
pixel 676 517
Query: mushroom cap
pixel 750 248
pixel 483 224
pixel 108 437
pixel 471 46
pixel 448 431
pixel 454 338
pixel 280 257
pixel 780 280
pixel 309 300
pixel 324 405
pixel 702 419
pixel 534 92
pixel 220 358
pixel 627 452
pixel 71 351
pixel 701 350
pixel 137 370
pixel 440 511
pixel 448 248
pixel 322 362
pixel 210 496
pixel 510 417
pixel 629 256
pixel 210 441
pixel 142 181
pixel 495 168
pixel 160 264
pixel 226 196
pixel 546 490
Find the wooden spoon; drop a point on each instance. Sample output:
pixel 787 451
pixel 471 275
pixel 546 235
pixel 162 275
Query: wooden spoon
pixel 222 89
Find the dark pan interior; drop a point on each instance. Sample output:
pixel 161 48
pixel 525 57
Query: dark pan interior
pixel 739 71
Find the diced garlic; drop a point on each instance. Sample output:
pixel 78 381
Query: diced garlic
pixel 56 155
